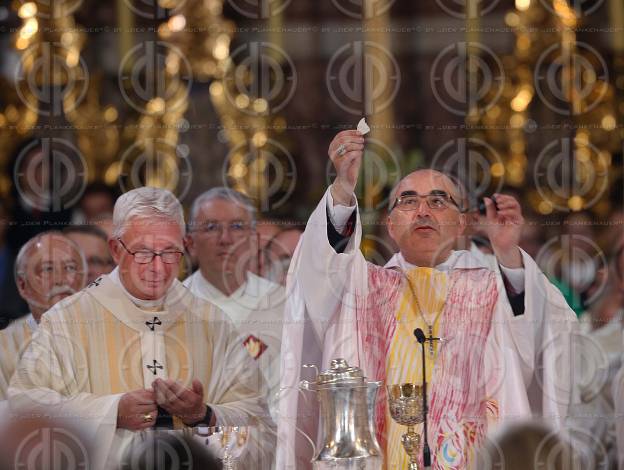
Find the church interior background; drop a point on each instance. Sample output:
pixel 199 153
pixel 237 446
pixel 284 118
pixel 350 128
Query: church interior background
pixel 524 97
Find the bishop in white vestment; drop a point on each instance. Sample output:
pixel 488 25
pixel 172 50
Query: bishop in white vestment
pixel 137 350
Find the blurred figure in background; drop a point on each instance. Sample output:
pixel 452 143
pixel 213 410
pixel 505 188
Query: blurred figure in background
pixel 265 230
pixel 163 450
pixel 577 270
pixel 277 254
pixel 44 443
pixel 96 203
pixel 94 245
pixel 603 385
pixel 222 224
pixel 614 228
pixel 49 268
pixel 608 298
pixel 570 260
pixel 105 224
pixel 38 205
pixel 12 305
pixel 533 237
pixel 599 358
pixel 527 446
pixel 474 238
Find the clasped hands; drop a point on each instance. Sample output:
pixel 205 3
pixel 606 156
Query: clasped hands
pixel 138 409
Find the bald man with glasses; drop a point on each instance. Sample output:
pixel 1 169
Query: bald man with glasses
pixel 489 334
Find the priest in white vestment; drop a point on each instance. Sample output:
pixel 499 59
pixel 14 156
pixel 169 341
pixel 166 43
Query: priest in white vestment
pixel 505 351
pixel 598 425
pixel 137 350
pixel 221 225
pixel 599 359
pixel 49 267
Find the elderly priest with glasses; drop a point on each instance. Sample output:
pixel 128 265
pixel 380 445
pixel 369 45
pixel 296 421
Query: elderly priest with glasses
pixel 136 350
pixel 503 326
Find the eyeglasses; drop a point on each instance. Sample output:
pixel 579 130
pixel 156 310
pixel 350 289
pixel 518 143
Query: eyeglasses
pixel 146 256
pixel 213 229
pixel 436 200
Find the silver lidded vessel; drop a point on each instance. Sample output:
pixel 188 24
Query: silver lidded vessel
pixel 347 407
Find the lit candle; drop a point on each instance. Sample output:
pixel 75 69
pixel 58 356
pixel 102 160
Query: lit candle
pixel 472 51
pixel 125 21
pixel 616 13
pixel 472 20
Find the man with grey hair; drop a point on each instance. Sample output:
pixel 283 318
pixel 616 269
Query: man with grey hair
pixel 136 350
pixel 223 240
pixel 49 267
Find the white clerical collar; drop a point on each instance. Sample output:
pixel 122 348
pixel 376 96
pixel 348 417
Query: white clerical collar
pixel 457 259
pixel 218 294
pixel 142 304
pixel 249 293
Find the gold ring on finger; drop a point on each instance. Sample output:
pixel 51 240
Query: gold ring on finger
pixel 147 417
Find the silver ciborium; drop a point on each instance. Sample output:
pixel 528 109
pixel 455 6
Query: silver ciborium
pixel 406 408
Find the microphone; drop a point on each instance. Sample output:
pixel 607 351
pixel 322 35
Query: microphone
pixel 421 338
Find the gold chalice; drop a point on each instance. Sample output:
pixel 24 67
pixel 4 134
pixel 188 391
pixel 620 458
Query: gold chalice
pixel 406 408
